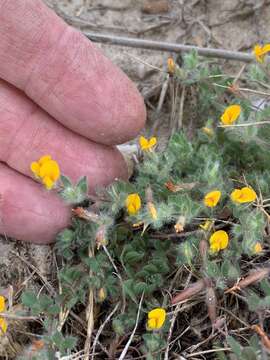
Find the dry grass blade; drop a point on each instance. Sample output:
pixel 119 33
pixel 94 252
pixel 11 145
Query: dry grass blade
pixel 265 339
pixel 256 275
pixel 189 292
pixel 101 329
pixel 124 352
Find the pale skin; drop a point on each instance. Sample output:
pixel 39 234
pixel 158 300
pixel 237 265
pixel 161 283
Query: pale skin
pixel 59 95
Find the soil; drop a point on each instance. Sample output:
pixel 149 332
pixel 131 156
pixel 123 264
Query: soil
pixel 229 24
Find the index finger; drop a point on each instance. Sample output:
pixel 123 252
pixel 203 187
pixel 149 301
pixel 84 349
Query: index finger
pixel 66 74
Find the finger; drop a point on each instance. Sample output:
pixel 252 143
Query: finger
pixel 66 74
pixel 27 133
pixel 27 211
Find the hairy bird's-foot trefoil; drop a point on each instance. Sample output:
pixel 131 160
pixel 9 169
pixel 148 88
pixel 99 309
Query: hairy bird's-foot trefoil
pixel 133 203
pixel 260 52
pixel 212 198
pixel 219 240
pixel 244 195
pixel 206 225
pixel 231 114
pixel 156 319
pixel 147 145
pixel 171 66
pixel 257 248
pixel 3 323
pixel 46 170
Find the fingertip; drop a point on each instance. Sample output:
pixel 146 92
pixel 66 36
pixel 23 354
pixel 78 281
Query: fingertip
pixel 131 113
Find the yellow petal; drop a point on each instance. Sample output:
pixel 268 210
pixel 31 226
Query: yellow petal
pixel 44 159
pixel 214 248
pixel 257 51
pixel 219 240
pixel 231 114
pixel 224 241
pixel 50 169
pixel 156 318
pixel 212 198
pixel 35 168
pixel 248 194
pixel 47 181
pixel 261 51
pixel 152 142
pixel 147 144
pixel 151 324
pixel 133 203
pixel 171 65
pixel 3 326
pixel 236 195
pixel 206 225
pixel 55 171
pixel 152 210
pixel 2 304
pixel 244 195
pixel 143 142
pixel 257 248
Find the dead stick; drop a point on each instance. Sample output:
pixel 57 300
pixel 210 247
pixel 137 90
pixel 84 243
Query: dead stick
pixel 166 46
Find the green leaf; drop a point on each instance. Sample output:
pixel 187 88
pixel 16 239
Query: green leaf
pixel 254 301
pixel 150 268
pixel 53 310
pixel 153 341
pixel 65 181
pixel 128 289
pixel 45 301
pixel 213 269
pixel 248 354
pixel 132 257
pixel 82 185
pixel 140 287
pixel 265 286
pixel 235 346
pixel 118 327
pixel 29 299
pixel 69 343
pixel 58 339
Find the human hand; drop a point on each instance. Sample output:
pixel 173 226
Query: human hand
pixel 60 96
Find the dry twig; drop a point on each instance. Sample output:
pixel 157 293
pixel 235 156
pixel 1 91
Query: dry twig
pixel 166 46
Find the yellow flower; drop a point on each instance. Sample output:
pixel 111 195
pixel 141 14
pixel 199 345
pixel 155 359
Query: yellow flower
pixel 133 203
pixel 257 248
pixel 230 114
pixel 219 240
pixel 206 226
pixel 47 170
pixel 147 144
pixel 208 131
pixel 156 319
pixel 171 65
pixel 260 52
pixel 3 323
pixel 244 195
pixel 212 198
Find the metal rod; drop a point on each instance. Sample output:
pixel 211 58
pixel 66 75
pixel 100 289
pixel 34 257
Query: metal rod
pixel 170 47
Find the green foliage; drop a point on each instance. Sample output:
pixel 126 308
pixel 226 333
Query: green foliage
pixel 74 194
pixel 107 251
pixel 250 352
